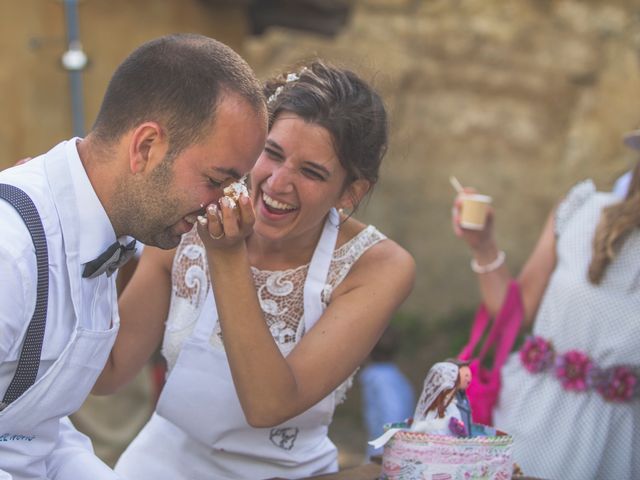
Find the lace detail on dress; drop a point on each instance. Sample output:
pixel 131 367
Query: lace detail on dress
pixel 280 294
pixel 281 298
pixel 345 256
pixel 341 392
pixel 189 274
pixel 190 285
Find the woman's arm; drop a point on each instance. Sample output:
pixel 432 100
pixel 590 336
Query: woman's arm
pixel 533 278
pixel 273 388
pixel 143 306
pixel 535 274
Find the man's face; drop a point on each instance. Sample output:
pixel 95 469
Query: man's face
pixel 465 377
pixel 176 191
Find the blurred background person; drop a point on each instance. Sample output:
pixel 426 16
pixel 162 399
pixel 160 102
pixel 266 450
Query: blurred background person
pixel 387 393
pixel 570 396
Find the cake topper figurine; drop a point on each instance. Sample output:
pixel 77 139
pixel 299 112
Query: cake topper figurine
pixel 462 401
pixel 437 412
pixel 443 407
pixel 441 441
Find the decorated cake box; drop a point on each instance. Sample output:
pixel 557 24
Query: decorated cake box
pixel 410 455
pixel 441 442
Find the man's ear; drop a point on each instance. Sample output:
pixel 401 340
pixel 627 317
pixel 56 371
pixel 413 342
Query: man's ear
pixel 148 146
pixel 353 194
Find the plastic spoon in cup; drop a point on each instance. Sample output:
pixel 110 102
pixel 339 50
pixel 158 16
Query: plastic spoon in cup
pixel 456 184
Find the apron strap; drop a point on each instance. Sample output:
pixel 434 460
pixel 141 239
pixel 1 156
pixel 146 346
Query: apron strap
pixel 206 320
pixel 29 361
pixel 319 270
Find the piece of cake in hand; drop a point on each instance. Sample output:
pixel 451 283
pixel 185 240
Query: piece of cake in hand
pixel 235 190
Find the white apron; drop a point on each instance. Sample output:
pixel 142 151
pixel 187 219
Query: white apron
pixel 30 426
pixel 199 401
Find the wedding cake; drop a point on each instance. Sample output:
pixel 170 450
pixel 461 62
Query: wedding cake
pixel 441 442
pixel 410 455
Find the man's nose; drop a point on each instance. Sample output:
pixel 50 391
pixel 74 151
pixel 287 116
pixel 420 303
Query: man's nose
pixel 213 197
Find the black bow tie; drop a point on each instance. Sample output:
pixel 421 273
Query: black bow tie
pixel 110 260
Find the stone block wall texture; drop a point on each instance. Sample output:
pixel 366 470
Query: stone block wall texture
pixel 519 98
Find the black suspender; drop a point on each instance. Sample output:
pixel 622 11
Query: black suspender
pixel 29 360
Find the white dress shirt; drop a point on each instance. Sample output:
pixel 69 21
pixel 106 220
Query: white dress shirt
pixel 18 271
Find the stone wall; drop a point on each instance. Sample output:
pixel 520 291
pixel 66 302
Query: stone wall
pixel 520 99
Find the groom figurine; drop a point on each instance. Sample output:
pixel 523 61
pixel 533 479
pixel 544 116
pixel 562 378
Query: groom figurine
pixel 462 401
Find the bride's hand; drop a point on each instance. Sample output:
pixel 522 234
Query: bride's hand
pixel 226 224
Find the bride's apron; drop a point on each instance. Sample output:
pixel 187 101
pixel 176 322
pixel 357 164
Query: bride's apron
pixel 200 397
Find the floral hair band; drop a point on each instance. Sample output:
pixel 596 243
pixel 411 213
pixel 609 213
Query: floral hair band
pixel 291 77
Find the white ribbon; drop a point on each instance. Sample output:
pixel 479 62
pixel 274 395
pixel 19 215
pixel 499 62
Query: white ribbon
pixel 384 438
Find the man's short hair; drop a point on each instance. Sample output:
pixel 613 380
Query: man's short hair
pixel 177 81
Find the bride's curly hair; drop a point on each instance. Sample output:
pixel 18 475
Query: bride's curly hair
pixel 616 223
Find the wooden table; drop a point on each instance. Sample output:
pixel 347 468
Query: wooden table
pixel 369 471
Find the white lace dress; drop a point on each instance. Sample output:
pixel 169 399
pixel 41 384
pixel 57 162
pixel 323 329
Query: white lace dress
pixel 280 294
pixel 199 430
pixel 561 434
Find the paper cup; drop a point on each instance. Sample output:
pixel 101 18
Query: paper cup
pixel 474 211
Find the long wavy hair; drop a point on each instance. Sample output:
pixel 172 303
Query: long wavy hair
pixel 616 223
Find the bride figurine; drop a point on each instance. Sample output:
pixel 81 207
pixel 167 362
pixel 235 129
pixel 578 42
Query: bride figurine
pixel 437 412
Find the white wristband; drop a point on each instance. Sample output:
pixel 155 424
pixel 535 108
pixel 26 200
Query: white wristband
pixel 489 267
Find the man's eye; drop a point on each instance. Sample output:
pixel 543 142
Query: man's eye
pixel 215 183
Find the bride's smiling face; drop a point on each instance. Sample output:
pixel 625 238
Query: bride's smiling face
pixel 297 179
